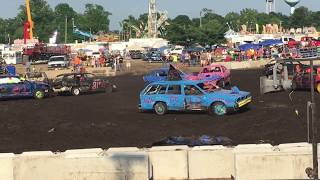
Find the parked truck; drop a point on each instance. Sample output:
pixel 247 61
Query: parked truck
pixel 40 53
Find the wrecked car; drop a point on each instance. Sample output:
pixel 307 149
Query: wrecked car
pixel 186 95
pixel 78 83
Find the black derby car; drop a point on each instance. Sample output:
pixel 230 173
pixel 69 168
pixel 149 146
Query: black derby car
pixel 78 83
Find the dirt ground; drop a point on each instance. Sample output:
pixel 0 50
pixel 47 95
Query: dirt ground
pixel 112 120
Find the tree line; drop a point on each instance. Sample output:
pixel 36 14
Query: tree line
pixel 47 20
pixel 209 29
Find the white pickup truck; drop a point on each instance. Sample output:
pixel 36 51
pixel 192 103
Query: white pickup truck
pixel 58 62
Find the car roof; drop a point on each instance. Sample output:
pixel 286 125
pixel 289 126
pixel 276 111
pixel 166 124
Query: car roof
pixel 161 69
pixel 179 82
pixel 67 74
pixel 213 65
pixel 5 76
pixel 56 56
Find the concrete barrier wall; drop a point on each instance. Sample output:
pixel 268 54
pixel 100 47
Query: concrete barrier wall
pixel 6 166
pixel 244 64
pixel 286 161
pixel 279 162
pixel 169 162
pixel 211 162
pixel 251 64
pixel 82 165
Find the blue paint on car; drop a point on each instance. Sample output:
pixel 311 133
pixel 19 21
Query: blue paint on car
pixel 14 86
pixel 192 95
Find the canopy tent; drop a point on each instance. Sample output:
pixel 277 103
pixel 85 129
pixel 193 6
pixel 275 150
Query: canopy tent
pixel 135 48
pixel 245 47
pixel 271 42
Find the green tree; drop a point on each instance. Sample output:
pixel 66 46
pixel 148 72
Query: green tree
pixel 301 17
pixel 95 18
pixel 316 20
pixel 63 11
pixel 233 20
pixel 249 17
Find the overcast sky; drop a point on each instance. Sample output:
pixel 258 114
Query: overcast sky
pixel 120 9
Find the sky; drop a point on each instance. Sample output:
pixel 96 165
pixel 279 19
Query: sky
pixel 121 9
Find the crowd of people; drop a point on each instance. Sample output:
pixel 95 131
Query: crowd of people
pixel 232 54
pixel 80 62
pixel 9 69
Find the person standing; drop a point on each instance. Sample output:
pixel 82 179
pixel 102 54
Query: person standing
pixel 11 70
pixel 77 63
pixel 175 58
pixel 1 68
pixel 28 66
pixel 93 61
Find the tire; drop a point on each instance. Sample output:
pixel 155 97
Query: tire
pixel 160 108
pixel 294 86
pixel 75 91
pixel 109 89
pixel 218 108
pixel 39 94
pixel 318 87
pixel 221 83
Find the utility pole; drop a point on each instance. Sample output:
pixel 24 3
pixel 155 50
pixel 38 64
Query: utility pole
pixel 201 19
pixel 66 30
pixel 312 172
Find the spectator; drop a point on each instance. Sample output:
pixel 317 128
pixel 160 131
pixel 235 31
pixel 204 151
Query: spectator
pixel 11 69
pixel 93 61
pixel 28 66
pixel 77 63
pixel 1 68
pixel 174 58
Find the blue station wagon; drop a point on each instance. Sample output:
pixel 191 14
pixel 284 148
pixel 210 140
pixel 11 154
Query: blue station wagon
pixel 186 95
pixel 14 86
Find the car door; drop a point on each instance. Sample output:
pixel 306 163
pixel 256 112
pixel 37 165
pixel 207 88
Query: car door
pixel 175 97
pixel 25 88
pixel 193 97
pixel 152 94
pixel 95 84
pixel 14 87
pixel 3 90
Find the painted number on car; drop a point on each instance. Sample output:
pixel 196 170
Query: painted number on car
pixel 97 85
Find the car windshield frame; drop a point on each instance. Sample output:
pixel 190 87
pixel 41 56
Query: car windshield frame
pixel 54 59
pixel 210 87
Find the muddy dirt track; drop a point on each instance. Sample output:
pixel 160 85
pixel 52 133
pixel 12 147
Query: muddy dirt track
pixel 112 120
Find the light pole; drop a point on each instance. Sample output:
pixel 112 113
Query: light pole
pixel 201 19
pixel 66 30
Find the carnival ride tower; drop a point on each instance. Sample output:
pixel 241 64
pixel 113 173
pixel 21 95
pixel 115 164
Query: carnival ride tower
pixel 28 25
pixel 152 19
pixel 292 4
pixel 270 6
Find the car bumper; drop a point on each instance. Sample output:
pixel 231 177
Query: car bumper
pixel 244 102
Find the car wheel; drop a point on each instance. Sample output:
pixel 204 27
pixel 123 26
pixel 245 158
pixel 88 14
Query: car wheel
pixel 318 87
pixel 75 91
pixel 221 83
pixel 109 89
pixel 294 86
pixel 218 108
pixel 39 94
pixel 160 108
